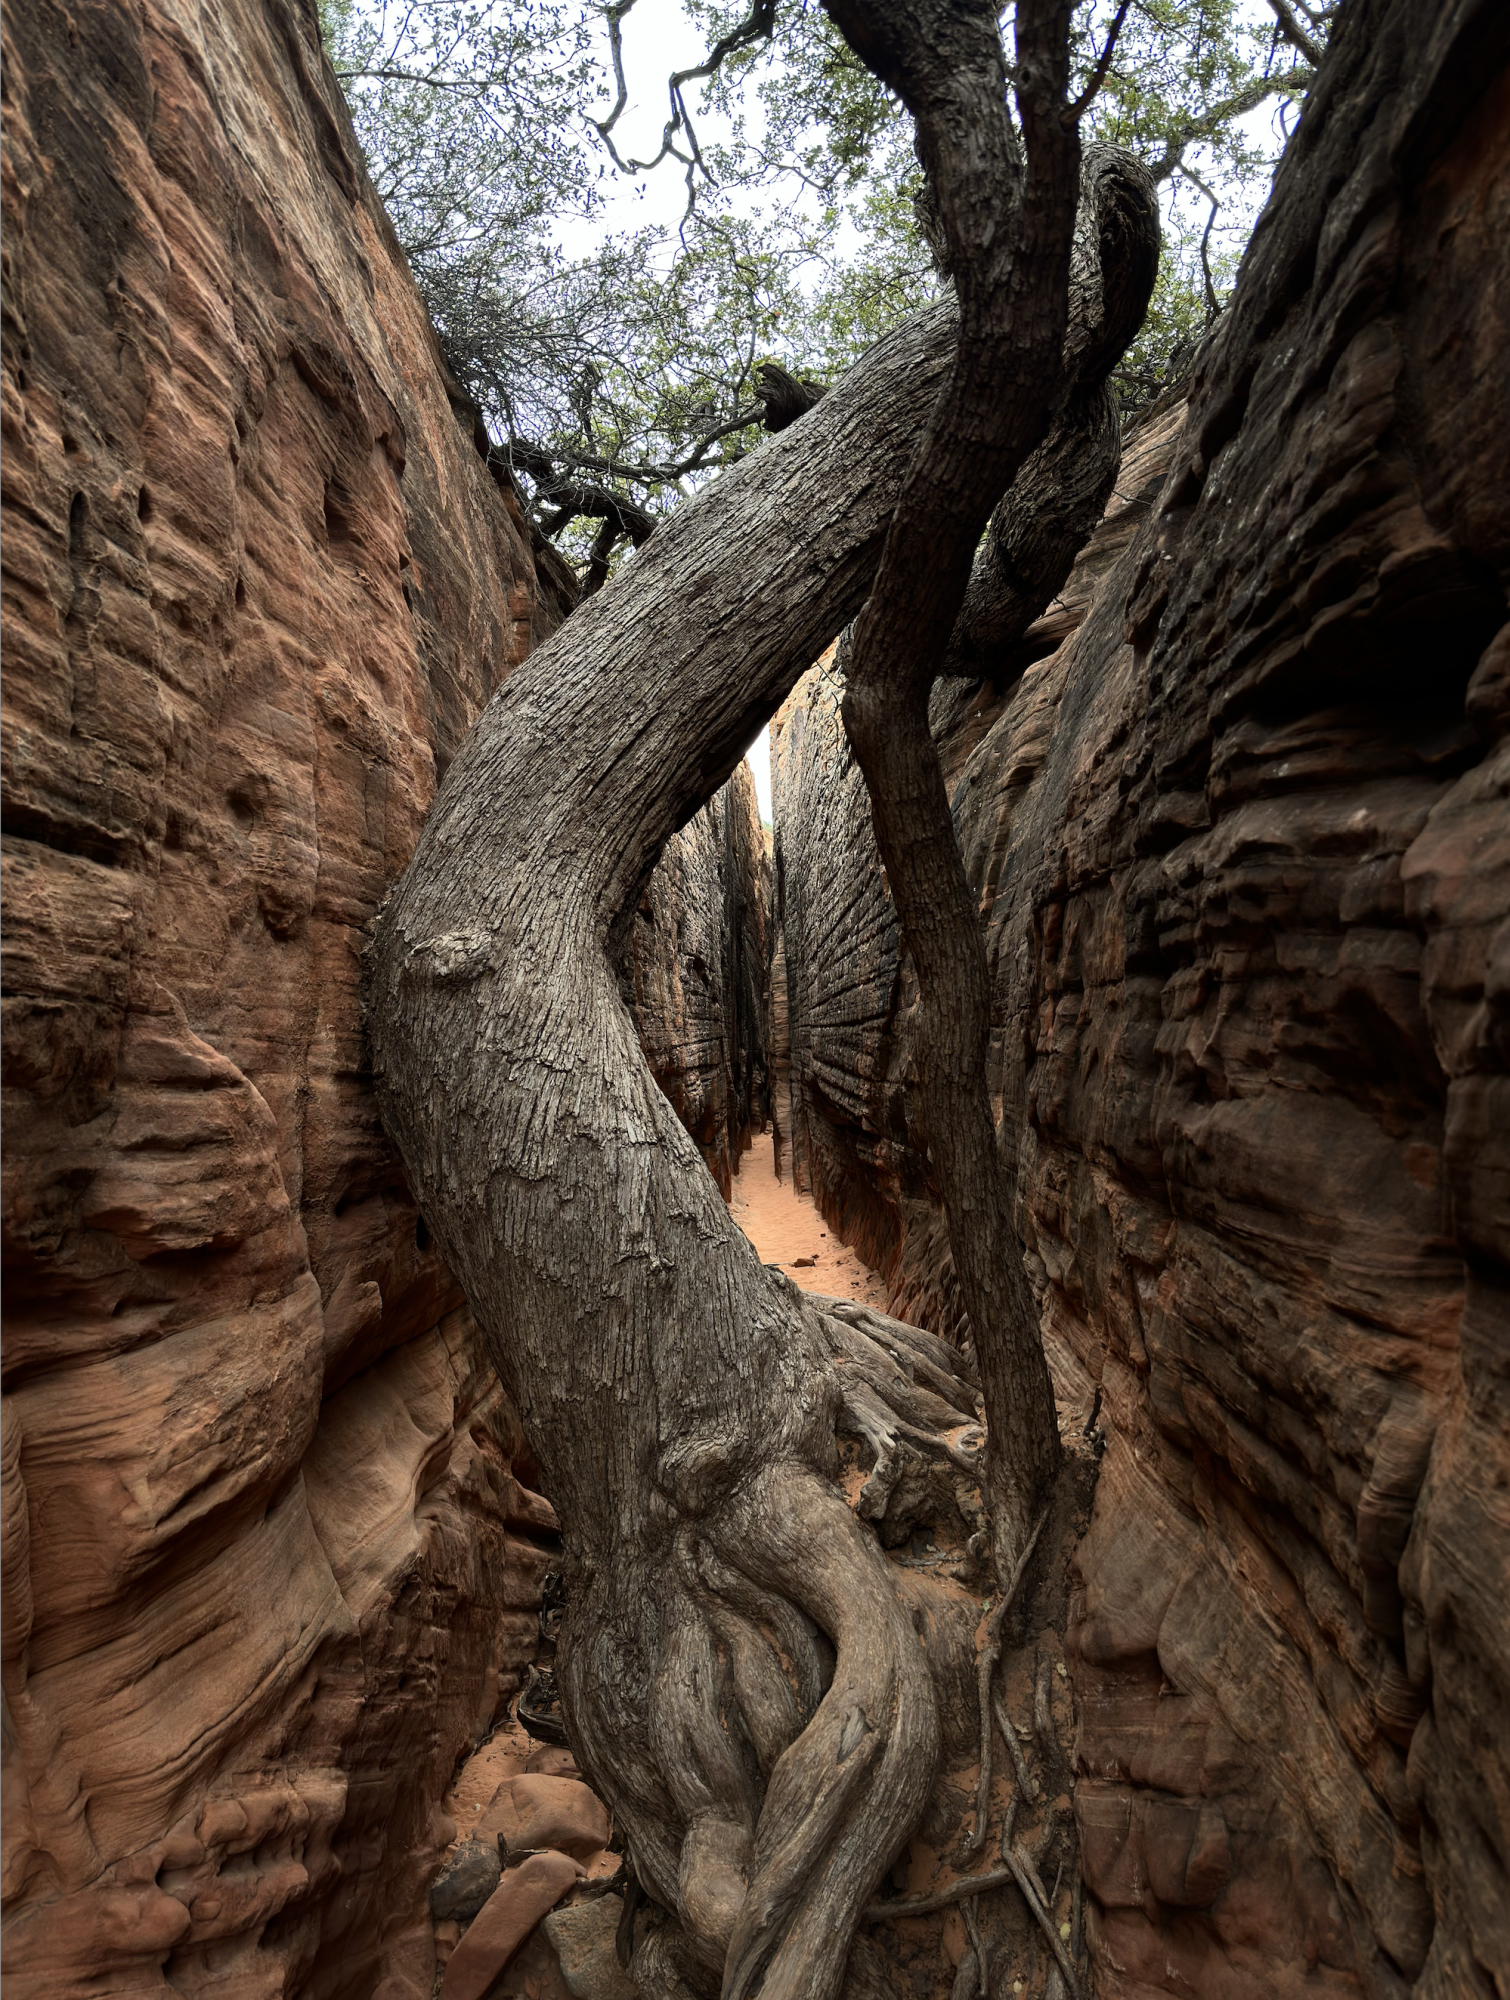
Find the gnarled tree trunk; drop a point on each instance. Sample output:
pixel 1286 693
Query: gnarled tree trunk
pixel 680 1403
pixel 742 1672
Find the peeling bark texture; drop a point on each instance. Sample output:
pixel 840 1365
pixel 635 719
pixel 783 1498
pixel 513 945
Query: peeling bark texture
pixel 698 975
pixel 1238 839
pixel 681 1404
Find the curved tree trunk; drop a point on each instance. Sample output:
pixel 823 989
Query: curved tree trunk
pixel 680 1402
pixel 741 1671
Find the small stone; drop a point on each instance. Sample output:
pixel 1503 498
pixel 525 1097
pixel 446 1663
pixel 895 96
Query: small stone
pixel 533 1812
pixel 583 1936
pixel 552 1760
pixel 504 1922
pixel 1064 1932
pixel 598 1867
pixel 466 1880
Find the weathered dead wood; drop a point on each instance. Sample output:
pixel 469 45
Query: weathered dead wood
pixel 1033 1894
pixel 939 1899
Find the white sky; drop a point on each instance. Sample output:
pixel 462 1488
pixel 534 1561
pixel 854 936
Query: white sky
pixel 758 757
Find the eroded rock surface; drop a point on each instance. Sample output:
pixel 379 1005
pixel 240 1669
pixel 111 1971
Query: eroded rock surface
pixel 1242 844
pixel 698 974
pixel 271 1557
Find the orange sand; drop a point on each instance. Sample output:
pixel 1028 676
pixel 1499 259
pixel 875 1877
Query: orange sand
pixel 784 1225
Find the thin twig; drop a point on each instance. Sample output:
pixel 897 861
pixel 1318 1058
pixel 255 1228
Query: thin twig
pixel 1073 113
pixel 978 1945
pixel 1020 1866
pixel 985 1671
pixel 758 25
pixel 1213 304
pixel 1027 1783
pixel 940 1899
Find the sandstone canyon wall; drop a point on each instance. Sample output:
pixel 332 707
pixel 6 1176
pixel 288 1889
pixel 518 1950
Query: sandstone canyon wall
pixel 698 974
pixel 271 1555
pixel 1241 834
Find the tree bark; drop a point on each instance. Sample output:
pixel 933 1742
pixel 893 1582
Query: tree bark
pixel 680 1403
pixel 1007 209
pixel 740 1670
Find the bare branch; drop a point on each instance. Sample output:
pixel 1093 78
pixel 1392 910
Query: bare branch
pixel 1213 303
pixel 664 474
pixel 758 25
pixel 1292 31
pixel 597 563
pixel 1073 113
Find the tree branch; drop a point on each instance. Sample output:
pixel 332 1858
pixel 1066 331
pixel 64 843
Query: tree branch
pixel 1292 32
pixel 1087 97
pixel 1008 217
pixel 758 25
pixel 1293 83
pixel 1213 303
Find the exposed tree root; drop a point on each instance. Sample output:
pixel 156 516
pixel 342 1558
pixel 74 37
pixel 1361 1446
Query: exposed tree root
pixel 790 1670
pixel 787 1687
pixel 990 1653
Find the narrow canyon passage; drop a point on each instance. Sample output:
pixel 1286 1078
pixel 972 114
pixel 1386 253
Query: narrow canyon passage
pixel 280 1556
pixel 788 1231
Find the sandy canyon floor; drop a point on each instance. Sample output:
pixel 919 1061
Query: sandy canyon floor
pixel 787 1230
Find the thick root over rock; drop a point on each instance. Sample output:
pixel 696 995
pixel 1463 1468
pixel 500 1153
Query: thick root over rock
pixel 786 1674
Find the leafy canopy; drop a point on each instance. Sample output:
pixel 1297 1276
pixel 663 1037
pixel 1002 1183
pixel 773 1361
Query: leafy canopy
pixel 616 366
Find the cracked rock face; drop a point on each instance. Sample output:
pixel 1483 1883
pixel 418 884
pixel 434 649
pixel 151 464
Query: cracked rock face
pixel 1242 842
pixel 271 1557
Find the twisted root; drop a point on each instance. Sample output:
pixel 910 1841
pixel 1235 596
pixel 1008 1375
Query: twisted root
pixel 773 1660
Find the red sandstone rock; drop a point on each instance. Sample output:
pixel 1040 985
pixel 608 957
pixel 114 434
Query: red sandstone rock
pixel 530 1812
pixel 257 580
pixel 698 973
pixel 550 1760
pixel 504 1922
pixel 1242 845
pixel 268 1570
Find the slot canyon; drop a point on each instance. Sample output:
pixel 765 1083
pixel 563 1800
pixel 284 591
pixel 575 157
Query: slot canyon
pixel 289 1549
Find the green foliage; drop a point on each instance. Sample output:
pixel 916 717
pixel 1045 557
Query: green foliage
pixel 629 373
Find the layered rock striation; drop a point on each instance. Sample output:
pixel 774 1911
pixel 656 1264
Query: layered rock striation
pixel 697 976
pixel 272 1559
pixel 1242 844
